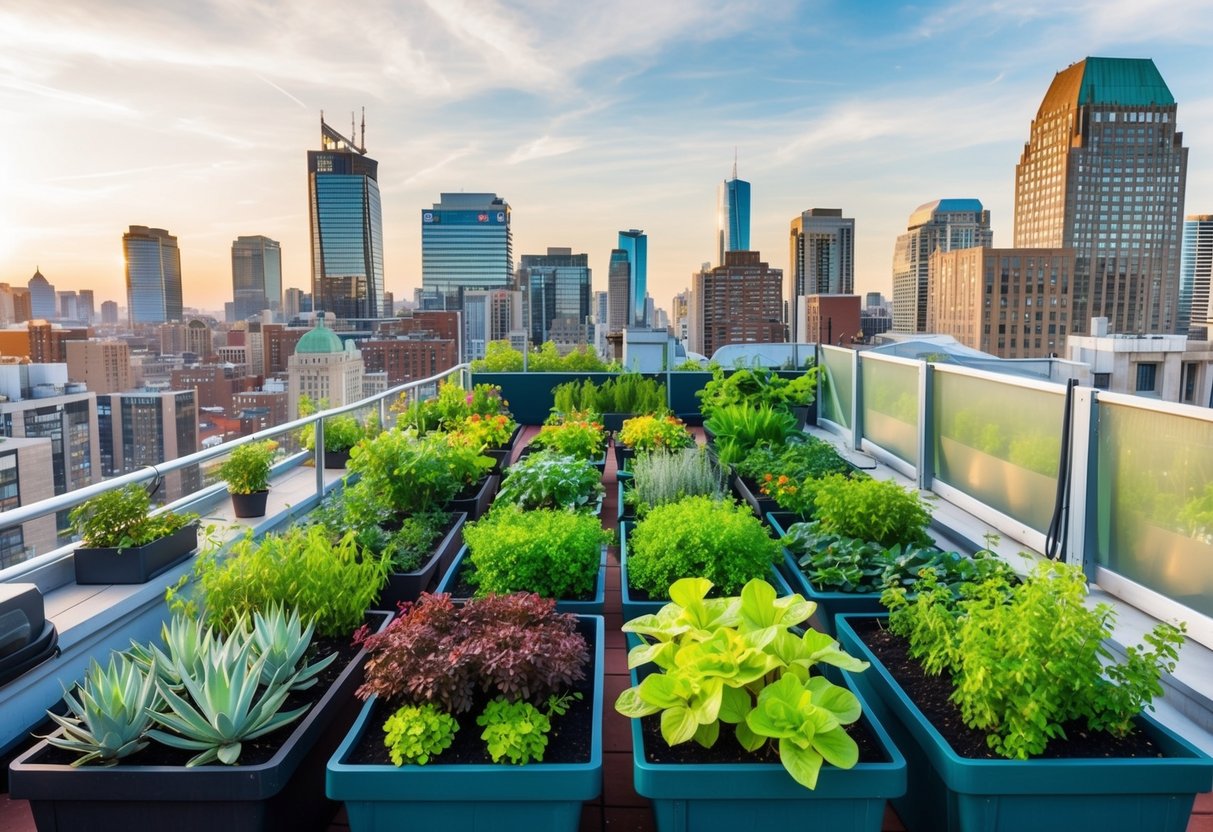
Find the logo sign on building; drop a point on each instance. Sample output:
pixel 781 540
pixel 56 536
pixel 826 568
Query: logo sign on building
pixel 501 216
pixel 427 216
pixel 482 218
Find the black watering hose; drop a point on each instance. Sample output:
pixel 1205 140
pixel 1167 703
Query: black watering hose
pixel 1059 526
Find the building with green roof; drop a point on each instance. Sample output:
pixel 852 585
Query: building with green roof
pixel 323 368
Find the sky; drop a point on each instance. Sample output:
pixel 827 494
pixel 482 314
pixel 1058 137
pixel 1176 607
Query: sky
pixel 587 118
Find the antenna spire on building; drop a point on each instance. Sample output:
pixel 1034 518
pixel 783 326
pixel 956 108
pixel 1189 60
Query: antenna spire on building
pixel 734 161
pixel 362 140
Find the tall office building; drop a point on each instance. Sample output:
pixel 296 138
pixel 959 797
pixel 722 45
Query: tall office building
pixel 1195 277
pixel 147 428
pixel 69 308
pixel 153 275
pixel 109 312
pixel 292 304
pixel 1104 172
pixel 636 244
pixel 942 225
pixel 556 288
pixel 740 302
pixel 44 302
pixel 732 216
pixel 466 243
pixel 821 259
pixel 619 292
pixel 347 227
pixel 84 304
pixel 256 276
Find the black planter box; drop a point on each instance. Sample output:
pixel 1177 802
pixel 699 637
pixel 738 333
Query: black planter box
pixel 614 421
pixel 753 496
pixel 408 586
pixel 502 456
pixel 336 459
pixel 622 453
pixel 138 564
pixel 474 500
pixel 284 794
pixel 26 637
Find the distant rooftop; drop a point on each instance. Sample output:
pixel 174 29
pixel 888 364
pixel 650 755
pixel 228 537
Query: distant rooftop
pixel 1118 82
pixel 922 214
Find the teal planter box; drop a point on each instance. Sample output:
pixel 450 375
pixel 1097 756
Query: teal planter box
pixel 593 606
pixel 635 607
pixel 947 792
pixel 470 798
pixel 530 394
pixel 830 605
pixel 727 797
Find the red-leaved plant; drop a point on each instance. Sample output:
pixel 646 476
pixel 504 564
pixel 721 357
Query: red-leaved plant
pixel 516 646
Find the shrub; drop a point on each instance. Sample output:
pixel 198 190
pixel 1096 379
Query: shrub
pixel 500 357
pixel 555 554
pixel 247 469
pixel 739 428
pixel 877 510
pixel 658 479
pixel 645 434
pixel 516 646
pixel 756 386
pixel 404 473
pixel 340 432
pixel 583 438
pixel 120 519
pixel 549 480
pixel 699 537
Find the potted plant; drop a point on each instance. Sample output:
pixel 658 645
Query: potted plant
pixel 580 435
pixel 341 433
pixel 123 543
pixel 162 735
pixel 658 479
pixel 247 472
pixel 645 434
pixel 549 480
pixel 484 715
pixel 1017 670
pixel 551 552
pixel 736 676
pixel 694 537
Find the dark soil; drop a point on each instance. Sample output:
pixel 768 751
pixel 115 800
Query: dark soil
pixel 568 742
pixel 931 695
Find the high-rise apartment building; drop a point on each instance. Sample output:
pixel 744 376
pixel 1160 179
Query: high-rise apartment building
pixel 1012 303
pixel 1103 172
pixel 109 312
pixel 732 216
pixel 942 225
pixel 619 292
pixel 102 366
pixel 740 302
pixel 346 220
pixel 636 244
pixel 44 302
pixel 489 315
pixel 256 276
pixel 25 477
pixel 555 286
pixel 821 259
pixel 153 275
pixel 1195 277
pixel 85 306
pixel 680 313
pixel 466 244
pixel 147 428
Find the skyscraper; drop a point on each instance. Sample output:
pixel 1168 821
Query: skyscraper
pixel 619 292
pixel 466 243
pixel 732 216
pixel 347 227
pixel 44 303
pixel 739 302
pixel 1195 277
pixel 109 312
pixel 1103 172
pixel 256 276
pixel 153 275
pixel 636 245
pixel 84 303
pixel 556 286
pixel 821 259
pixel 942 225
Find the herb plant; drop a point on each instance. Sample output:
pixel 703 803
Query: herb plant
pixel 552 553
pixel 739 428
pixel 247 469
pixel 698 536
pixel 645 434
pixel 514 731
pixel 809 457
pixel 625 393
pixel 416 733
pixel 550 480
pixel 658 479
pixel 579 437
pixel 340 432
pixel 756 386
pixel 877 510
pixel 120 519
pixel 405 473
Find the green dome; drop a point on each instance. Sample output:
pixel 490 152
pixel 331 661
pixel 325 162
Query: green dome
pixel 320 340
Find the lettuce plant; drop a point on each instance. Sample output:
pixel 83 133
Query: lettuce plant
pixel 550 480
pixel 739 661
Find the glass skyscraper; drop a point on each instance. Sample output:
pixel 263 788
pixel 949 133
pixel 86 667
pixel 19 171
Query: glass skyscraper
pixel 636 245
pixel 347 228
pixel 1103 172
pixel 153 275
pixel 256 276
pixel 466 243
pixel 1196 277
pixel 732 216
pixel 557 286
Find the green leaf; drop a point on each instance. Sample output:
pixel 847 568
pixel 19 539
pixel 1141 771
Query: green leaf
pixel 837 747
pixel 631 704
pixel 678 725
pixel 804 764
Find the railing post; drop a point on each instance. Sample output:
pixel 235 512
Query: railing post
pixel 856 429
pixel 926 425
pixel 1082 537
pixel 818 362
pixel 318 432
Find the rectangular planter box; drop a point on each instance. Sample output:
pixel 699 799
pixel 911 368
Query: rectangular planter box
pixel 502 456
pixel 627 513
pixel 950 792
pixel 476 503
pixel 138 564
pixel 830 604
pixel 723 797
pixel 600 464
pixel 336 459
pixel 622 453
pixel 635 607
pixel 284 794
pixel 408 586
pixel 594 606
pixel 470 798
pixel 760 504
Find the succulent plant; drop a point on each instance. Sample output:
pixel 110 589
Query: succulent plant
pixel 281 641
pixel 111 717
pixel 185 639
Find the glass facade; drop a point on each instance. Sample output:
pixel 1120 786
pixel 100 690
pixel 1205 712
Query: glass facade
pixel 153 275
pixel 732 217
pixel 256 276
pixel 466 243
pixel 12 540
pixel 636 244
pixel 558 286
pixel 1195 273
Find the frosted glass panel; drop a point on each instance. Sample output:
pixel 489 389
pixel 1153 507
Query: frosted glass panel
pixel 890 406
pixel 1154 504
pixel 839 387
pixel 999 444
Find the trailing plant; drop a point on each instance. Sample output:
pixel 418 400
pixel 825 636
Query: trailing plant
pixel 740 661
pixel 416 733
pixel 516 646
pixel 1027 659
pixel 756 386
pixel 583 438
pixel 739 428
pixel 120 518
pixel 247 469
pixel 405 473
pixel 699 536
pixel 109 712
pixel 645 434
pixel 658 479
pixel 552 553
pixel 550 480
pixel 877 510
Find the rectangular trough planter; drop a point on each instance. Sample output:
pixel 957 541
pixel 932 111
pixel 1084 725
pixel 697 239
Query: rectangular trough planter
pixel 950 793
pixel 830 605
pixel 503 455
pixel 135 565
pixel 408 586
pixel 475 500
pixel 591 606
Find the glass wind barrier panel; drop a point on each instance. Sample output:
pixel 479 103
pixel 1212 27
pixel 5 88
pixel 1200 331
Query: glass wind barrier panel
pixel 839 386
pixel 1154 518
pixel 1000 444
pixel 890 406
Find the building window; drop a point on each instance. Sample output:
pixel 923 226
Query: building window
pixel 1146 377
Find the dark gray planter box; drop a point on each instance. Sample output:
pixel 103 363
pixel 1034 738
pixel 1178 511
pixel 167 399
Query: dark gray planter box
pixel 135 565
pixel 475 501
pixel 408 586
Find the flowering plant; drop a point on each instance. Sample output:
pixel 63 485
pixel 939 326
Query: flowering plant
pixel 582 438
pixel 655 433
pixel 484 431
pixel 486 400
pixel 790 496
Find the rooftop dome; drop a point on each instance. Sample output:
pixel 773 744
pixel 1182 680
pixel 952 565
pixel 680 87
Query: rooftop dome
pixel 320 340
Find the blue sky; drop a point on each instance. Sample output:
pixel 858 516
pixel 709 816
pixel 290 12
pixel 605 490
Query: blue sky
pixel 586 118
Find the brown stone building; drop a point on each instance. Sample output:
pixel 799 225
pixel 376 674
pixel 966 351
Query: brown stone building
pixel 40 341
pixel 829 319
pixel 102 366
pixel 215 384
pixel 259 409
pixel 740 302
pixel 406 359
pixel 278 343
pixel 434 323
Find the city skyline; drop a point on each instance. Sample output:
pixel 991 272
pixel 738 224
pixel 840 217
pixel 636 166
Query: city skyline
pixel 199 120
